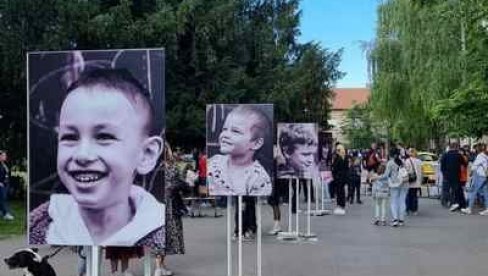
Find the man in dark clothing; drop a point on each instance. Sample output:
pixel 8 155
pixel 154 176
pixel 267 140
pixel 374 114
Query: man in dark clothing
pixel 451 167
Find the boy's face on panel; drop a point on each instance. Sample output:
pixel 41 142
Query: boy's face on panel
pixel 236 136
pixel 303 157
pixel 100 147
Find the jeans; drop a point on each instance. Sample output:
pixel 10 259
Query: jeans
pixel 479 186
pixel 354 187
pixel 380 208
pixel 397 202
pixel 4 208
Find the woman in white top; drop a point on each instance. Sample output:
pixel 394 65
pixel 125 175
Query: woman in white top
pixel 414 168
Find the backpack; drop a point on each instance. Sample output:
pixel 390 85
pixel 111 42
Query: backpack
pixel 399 179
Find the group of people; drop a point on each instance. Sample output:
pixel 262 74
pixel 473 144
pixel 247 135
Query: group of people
pixel 460 177
pixel 397 179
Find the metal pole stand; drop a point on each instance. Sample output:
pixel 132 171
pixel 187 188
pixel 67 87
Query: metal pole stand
pixel 259 248
pixel 229 236
pixel 289 235
pixel 319 200
pixel 94 261
pixel 309 236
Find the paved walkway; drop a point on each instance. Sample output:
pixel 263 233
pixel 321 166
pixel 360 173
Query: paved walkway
pixel 434 243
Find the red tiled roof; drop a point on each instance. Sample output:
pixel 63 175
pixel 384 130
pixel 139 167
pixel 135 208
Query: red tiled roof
pixel 346 98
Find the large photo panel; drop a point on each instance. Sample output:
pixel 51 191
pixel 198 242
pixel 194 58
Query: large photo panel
pixel 297 155
pixel 96 135
pixel 239 149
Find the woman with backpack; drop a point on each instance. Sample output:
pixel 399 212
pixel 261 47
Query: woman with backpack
pixel 397 177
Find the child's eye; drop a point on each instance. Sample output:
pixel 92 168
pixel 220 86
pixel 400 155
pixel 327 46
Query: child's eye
pixel 105 137
pixel 69 137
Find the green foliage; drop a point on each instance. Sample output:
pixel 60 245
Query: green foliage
pixel 218 51
pixel 359 127
pixel 464 105
pixel 426 54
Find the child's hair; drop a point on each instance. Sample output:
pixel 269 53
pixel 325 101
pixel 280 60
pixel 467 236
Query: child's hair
pixel 296 134
pixel 123 81
pixel 261 125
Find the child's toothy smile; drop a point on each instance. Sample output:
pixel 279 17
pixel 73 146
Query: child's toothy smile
pixel 87 176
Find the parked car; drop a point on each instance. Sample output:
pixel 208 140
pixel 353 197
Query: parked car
pixel 430 162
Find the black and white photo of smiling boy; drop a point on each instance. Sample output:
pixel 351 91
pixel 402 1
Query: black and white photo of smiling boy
pixel 240 150
pixel 107 138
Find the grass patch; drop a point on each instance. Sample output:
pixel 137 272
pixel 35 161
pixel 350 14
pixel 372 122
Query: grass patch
pixel 18 225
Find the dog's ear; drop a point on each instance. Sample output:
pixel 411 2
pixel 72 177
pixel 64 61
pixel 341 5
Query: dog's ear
pixel 35 249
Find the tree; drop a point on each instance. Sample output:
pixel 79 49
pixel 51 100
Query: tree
pixel 425 52
pixel 218 51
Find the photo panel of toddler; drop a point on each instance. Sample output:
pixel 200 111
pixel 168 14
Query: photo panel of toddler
pixel 96 133
pixel 297 150
pixel 239 149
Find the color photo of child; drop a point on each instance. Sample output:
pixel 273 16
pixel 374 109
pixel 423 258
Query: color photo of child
pixel 240 153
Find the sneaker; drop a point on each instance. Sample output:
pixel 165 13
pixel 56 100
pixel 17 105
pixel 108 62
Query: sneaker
pixel 248 236
pixel 8 217
pixel 339 211
pixel 394 223
pixel 466 211
pixel 276 229
pixel 415 213
pixel 454 207
pixel 158 272
pixel 384 223
pixel 166 272
pixel 484 213
pixel 376 222
pixel 401 223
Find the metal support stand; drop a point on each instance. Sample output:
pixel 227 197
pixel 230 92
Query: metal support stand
pixel 290 235
pixel 229 236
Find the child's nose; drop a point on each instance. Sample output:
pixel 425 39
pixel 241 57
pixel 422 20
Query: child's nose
pixel 84 153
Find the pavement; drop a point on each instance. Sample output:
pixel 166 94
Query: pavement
pixel 436 242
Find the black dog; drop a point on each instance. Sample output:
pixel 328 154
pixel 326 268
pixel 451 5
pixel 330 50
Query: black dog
pixel 32 263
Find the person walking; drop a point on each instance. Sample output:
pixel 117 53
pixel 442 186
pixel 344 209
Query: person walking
pixel 122 254
pixel 414 168
pixel 371 163
pixel 394 174
pixel 174 186
pixel 354 184
pixel 380 195
pixel 463 178
pixel 479 173
pixel 340 169
pixel 451 167
pixel 4 182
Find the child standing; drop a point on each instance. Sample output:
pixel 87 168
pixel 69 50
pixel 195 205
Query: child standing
pixel 380 192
